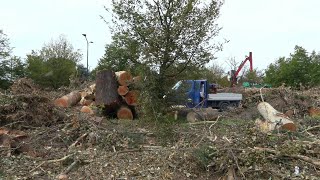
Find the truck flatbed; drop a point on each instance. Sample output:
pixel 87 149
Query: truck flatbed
pixel 225 97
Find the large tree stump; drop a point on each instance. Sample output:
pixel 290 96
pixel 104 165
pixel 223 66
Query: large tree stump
pixel 68 100
pixel 124 78
pixel 273 119
pixel 106 88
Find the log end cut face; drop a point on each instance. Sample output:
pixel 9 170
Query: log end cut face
pixel 289 127
pixel 125 113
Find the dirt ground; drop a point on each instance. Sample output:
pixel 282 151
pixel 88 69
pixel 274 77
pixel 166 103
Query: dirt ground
pixel 40 141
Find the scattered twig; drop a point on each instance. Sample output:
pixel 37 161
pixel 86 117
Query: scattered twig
pixel 311 128
pixel 236 161
pixel 72 165
pixel 224 137
pixel 315 162
pixel 261 94
pixel 78 140
pixel 52 161
pixel 202 122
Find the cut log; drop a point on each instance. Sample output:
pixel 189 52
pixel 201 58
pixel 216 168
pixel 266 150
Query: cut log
pixel 106 88
pixel 123 90
pixel 274 119
pixel 131 97
pixel 68 100
pixel 124 78
pixel 87 109
pixel 124 113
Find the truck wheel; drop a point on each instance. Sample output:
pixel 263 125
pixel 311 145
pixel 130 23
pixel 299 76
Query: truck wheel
pixel 223 106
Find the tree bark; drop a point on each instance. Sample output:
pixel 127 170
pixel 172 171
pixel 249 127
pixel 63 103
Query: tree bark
pixel 124 112
pixel 124 78
pixel 123 90
pixel 106 88
pixel 131 97
pixel 273 119
pixel 68 100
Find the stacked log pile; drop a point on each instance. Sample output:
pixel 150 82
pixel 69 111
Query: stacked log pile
pixel 114 91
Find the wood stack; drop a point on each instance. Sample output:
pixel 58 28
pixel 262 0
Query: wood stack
pixel 113 90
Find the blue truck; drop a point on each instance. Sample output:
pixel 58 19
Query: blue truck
pixel 198 94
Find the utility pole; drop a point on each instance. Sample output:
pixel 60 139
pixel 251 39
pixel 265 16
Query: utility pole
pixel 87 53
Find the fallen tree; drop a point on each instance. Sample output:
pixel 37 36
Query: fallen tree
pixel 273 119
pixel 68 100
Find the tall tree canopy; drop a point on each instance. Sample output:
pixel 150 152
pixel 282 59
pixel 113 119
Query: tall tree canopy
pixel 54 64
pixel 11 67
pixel 301 68
pixel 173 35
pixel 120 54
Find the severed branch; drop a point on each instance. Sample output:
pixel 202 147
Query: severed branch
pixel 52 161
pixel 203 122
pixel 311 128
pixel 78 140
pixel 315 162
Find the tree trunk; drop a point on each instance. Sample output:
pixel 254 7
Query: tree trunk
pixel 123 90
pixel 124 78
pixel 68 100
pixel 124 112
pixel 106 88
pixel 131 97
pixel 273 119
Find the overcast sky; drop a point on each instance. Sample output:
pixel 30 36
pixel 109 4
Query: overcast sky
pixel 269 29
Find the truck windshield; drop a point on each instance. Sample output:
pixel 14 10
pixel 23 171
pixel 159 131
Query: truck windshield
pixel 183 86
pixel 177 85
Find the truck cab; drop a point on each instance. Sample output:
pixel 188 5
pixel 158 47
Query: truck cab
pixel 195 94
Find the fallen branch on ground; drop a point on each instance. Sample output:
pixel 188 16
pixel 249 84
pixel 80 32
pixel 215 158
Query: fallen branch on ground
pixel 311 128
pixel 315 162
pixel 202 122
pixel 52 161
pixel 78 140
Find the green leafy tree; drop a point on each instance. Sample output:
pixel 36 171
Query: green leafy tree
pixel 11 67
pixel 54 64
pixel 173 35
pixel 299 69
pixel 120 54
